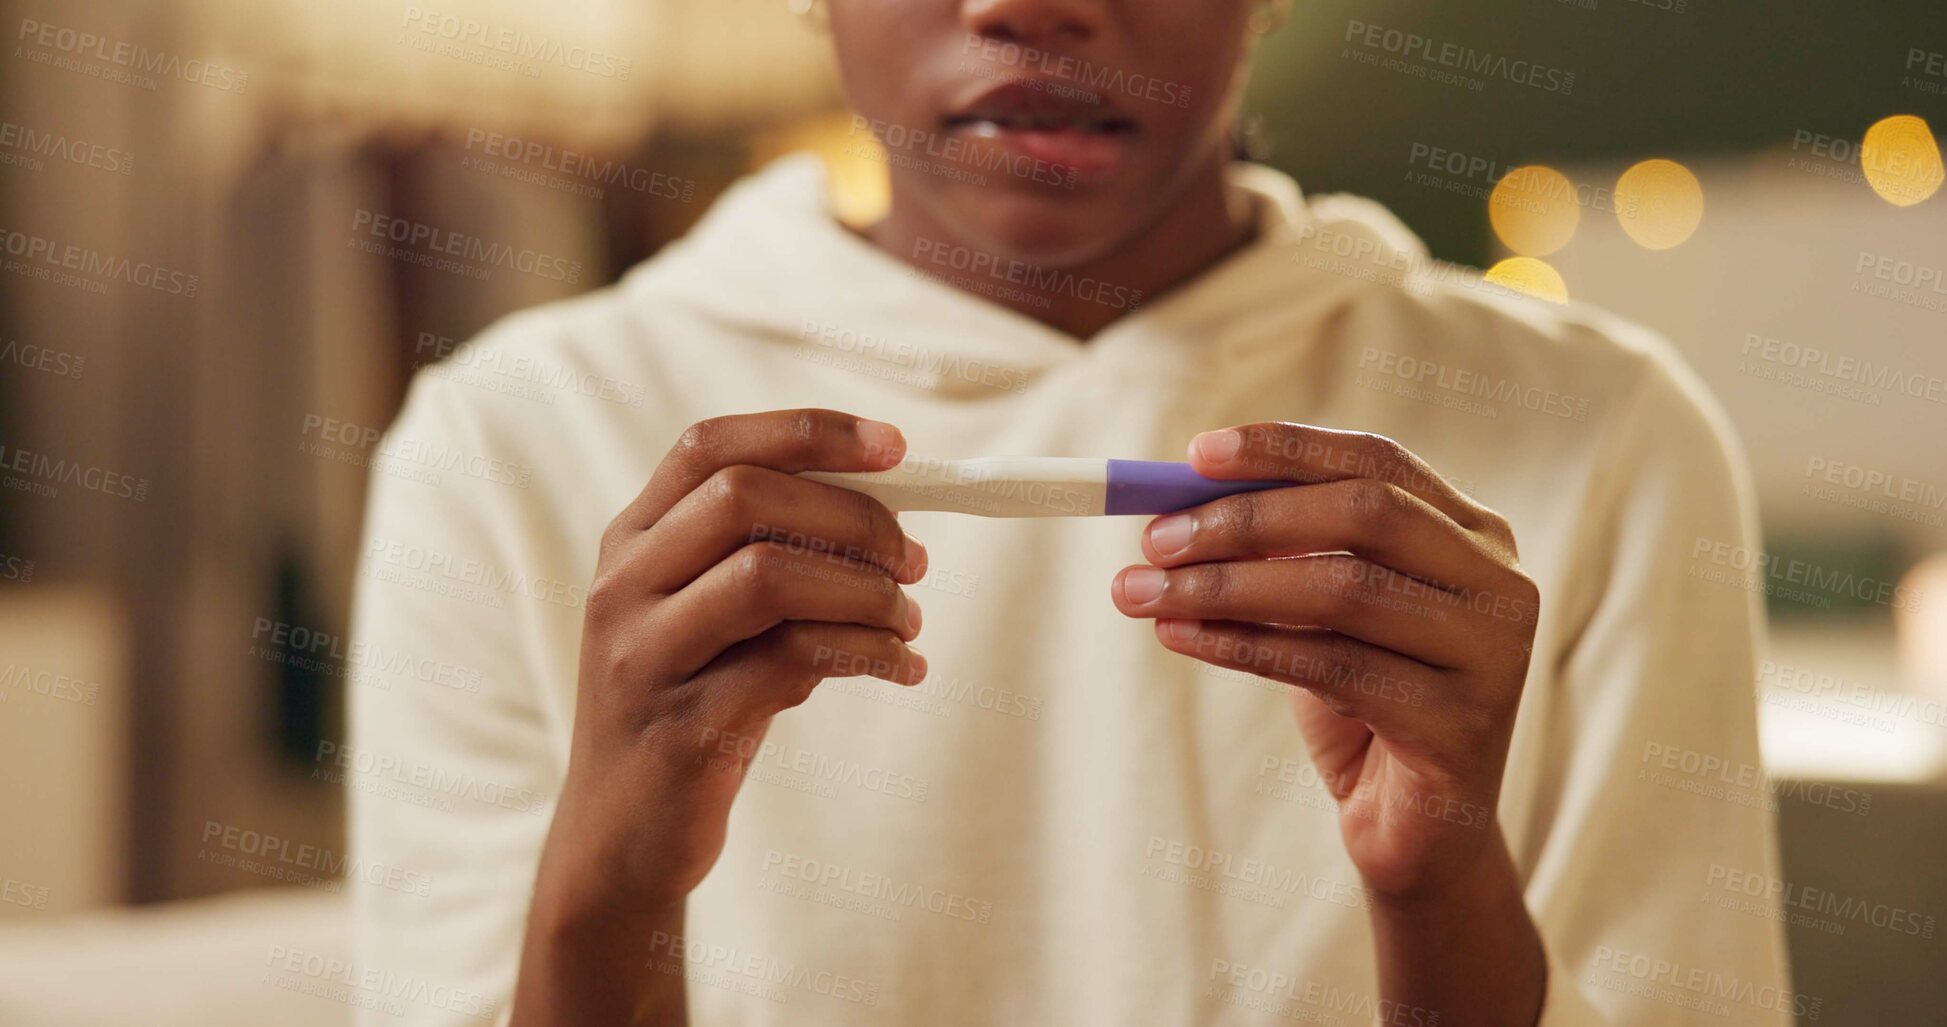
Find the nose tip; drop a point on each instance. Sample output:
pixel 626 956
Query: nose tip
pixel 1032 22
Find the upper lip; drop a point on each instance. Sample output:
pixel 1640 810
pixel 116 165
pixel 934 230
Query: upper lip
pixel 1042 103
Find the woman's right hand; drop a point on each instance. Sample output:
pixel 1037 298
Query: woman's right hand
pixel 724 593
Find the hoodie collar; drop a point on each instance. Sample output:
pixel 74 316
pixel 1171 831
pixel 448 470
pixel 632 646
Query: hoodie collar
pixel 771 258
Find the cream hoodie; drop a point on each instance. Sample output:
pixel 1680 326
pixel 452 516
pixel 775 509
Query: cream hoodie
pixel 1066 824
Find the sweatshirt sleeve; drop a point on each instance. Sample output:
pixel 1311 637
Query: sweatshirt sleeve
pixel 1653 793
pixel 451 781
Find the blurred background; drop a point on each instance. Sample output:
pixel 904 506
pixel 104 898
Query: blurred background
pixel 197 356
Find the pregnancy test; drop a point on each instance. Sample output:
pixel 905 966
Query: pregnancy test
pixel 1040 486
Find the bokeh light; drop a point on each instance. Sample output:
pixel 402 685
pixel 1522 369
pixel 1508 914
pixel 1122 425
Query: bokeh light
pixel 857 184
pixel 1659 203
pixel 1533 277
pixel 1533 210
pixel 1901 160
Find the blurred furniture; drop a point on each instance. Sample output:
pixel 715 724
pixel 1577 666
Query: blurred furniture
pixel 63 751
pixel 221 962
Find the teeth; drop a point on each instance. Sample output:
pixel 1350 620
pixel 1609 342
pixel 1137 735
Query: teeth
pixel 990 128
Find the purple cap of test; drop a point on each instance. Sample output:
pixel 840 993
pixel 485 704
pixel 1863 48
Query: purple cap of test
pixel 1160 487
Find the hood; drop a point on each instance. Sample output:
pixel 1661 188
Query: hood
pixel 771 261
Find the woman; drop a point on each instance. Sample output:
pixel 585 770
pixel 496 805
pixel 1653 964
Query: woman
pixel 1475 808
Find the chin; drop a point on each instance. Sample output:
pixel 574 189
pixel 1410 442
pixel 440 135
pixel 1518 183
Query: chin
pixel 1046 228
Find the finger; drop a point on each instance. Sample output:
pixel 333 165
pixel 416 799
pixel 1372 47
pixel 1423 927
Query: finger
pixel 1364 516
pixel 780 668
pixel 763 585
pixel 1280 450
pixel 741 504
pixel 1347 594
pixel 783 440
pixel 1393 695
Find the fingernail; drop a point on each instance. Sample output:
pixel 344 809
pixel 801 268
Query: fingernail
pixel 913 561
pixel 1182 631
pixel 884 445
pixel 916 661
pixel 912 615
pixel 1218 447
pixel 1171 535
pixel 1143 585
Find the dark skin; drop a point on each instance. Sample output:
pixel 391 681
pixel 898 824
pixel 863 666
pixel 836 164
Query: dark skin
pixel 1160 219
pixel 1391 602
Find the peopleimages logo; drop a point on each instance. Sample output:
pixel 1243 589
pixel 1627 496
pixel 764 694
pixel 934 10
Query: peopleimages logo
pixel 901 142
pixel 32 143
pixel 1757 570
pixel 43 474
pixel 1464 381
pixel 302 862
pixel 16 568
pixel 368 765
pixel 1712 776
pixel 1822 907
pixel 20 893
pixel 517 373
pixel 725 749
pixel 1881 483
pixel 368 445
pixel 1926 70
pixel 416 566
pixel 48 253
pixel 742 969
pixel 893 892
pixel 534 154
pixel 376 983
pixel 40 358
pixel 1705 984
pixel 78 45
pixel 1900 281
pixel 1243 877
pixel 284 642
pixel 1425 50
pixel 1075 71
pixel 1901 272
pixel 1822 370
pixel 515 43
pixel 903 361
pixel 1776 679
pixel 1043 281
pixel 1284 994
pixel 22 679
pixel 475 257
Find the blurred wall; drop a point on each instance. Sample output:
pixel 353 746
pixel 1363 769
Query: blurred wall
pixel 218 320
pixel 1650 78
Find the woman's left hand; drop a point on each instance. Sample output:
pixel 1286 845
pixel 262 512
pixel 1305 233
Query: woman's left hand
pixel 1392 601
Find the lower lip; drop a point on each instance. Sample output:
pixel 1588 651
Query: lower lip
pixel 1084 156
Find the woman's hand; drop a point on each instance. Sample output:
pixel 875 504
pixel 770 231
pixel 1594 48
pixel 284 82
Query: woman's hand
pixel 1394 603
pixel 724 593
pixel 1397 607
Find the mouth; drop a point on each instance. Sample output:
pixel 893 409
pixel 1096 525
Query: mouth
pixel 1082 136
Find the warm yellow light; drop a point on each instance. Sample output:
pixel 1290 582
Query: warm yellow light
pixel 1527 275
pixel 1921 627
pixel 1533 210
pixel 1901 160
pixel 861 191
pixel 1660 204
pixel 859 187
